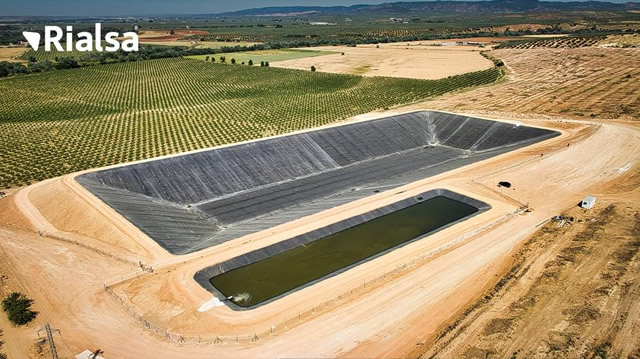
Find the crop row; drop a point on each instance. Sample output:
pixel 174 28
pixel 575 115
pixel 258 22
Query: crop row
pixel 69 120
pixel 42 55
pixel 556 42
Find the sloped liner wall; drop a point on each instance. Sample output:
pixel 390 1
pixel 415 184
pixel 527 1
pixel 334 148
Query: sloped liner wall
pixel 197 200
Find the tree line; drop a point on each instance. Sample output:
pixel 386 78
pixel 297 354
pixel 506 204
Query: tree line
pixel 146 52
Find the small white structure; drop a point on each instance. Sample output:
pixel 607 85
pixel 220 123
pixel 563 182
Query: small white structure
pixel 588 202
pixel 88 355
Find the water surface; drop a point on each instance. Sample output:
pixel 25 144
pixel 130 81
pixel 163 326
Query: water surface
pixel 296 267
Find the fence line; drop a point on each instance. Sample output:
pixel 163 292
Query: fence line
pixel 316 310
pixel 178 338
pixel 140 264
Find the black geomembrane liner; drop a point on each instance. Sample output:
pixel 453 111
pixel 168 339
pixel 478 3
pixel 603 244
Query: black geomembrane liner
pixel 197 200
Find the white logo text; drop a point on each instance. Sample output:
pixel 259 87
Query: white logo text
pixel 86 42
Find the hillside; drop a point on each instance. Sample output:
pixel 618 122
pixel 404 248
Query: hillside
pixel 408 8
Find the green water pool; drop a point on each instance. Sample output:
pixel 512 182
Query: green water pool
pixel 281 273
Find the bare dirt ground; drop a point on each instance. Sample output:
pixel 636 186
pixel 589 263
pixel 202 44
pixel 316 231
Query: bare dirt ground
pixel 571 292
pixel 164 37
pixel 625 41
pixel 395 60
pixel 160 34
pixel 543 36
pixel 486 40
pixel 584 83
pixel 401 301
pixel 516 27
pixel 11 53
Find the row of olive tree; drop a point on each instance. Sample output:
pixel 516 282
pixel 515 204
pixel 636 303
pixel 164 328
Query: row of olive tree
pixel 223 60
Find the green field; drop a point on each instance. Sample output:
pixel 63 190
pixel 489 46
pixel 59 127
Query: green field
pixel 63 121
pixel 92 56
pixel 265 55
pixel 42 55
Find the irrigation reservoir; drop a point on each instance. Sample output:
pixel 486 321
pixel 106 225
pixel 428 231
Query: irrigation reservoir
pixel 276 275
pixel 197 200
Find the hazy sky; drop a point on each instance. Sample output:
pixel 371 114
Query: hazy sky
pixel 153 7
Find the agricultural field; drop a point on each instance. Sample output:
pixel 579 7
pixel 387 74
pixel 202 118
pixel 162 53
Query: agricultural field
pixel 199 44
pixel 167 35
pixel 109 114
pixel 358 28
pixel 11 54
pixel 624 41
pixel 586 83
pixel 266 55
pixel 570 42
pixel 395 60
pixel 182 43
pixel 189 38
pixel 154 50
pixel 368 29
pixel 42 55
pixel 221 44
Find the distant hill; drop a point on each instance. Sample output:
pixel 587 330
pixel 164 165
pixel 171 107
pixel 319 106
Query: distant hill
pixel 408 8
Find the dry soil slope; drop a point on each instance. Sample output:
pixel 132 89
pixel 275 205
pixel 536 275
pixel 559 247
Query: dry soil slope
pixel 583 83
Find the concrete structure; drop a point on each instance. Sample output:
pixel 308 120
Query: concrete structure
pixel 588 202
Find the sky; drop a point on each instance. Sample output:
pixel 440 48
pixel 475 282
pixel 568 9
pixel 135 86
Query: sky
pixel 154 7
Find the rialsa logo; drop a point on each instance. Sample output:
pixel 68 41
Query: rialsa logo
pixel 86 41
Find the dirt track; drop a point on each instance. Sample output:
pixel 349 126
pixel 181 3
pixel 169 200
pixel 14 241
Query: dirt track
pixel 390 317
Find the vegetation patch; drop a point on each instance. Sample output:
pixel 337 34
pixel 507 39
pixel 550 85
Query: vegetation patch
pixel 570 42
pixel 18 308
pixel 262 55
pixel 582 315
pixel 361 69
pixel 103 115
pixel 498 325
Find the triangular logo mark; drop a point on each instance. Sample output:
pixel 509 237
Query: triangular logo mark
pixel 33 38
